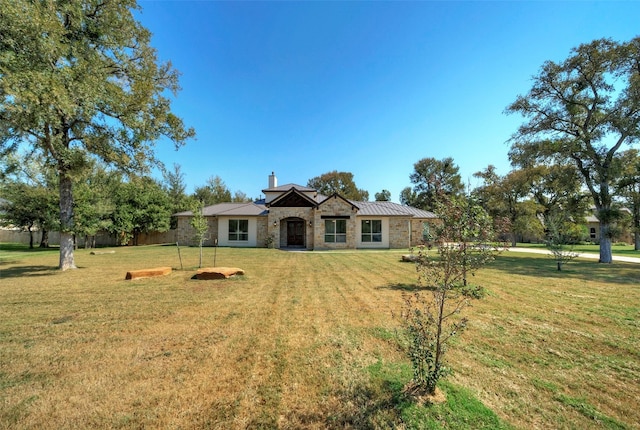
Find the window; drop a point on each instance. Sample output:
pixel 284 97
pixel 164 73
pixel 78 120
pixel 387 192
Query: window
pixel 238 229
pixel 335 230
pixel 592 233
pixel 371 230
pixel 426 233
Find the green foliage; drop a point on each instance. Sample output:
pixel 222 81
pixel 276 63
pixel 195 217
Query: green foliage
pixel 28 207
pixel 240 197
pixel 94 203
pixel 425 342
pixel 141 206
pixel 338 182
pixel 175 186
pixel 507 197
pixel 559 185
pixel 473 291
pixel 583 109
pixel 464 239
pixel 80 79
pixel 432 178
pixel 383 196
pixel 269 241
pixel 628 187
pixel 28 187
pixel 408 197
pixel 562 235
pixel 215 191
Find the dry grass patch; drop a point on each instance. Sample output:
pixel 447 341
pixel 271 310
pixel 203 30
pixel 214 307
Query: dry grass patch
pixel 302 340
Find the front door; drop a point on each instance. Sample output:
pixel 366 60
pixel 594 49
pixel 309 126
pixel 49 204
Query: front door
pixel 295 233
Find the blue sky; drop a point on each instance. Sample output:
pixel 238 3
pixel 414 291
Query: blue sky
pixel 304 88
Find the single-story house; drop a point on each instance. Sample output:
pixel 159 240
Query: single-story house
pixel 593 227
pixel 294 216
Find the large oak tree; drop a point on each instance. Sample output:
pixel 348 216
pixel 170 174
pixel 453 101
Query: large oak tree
pixel 338 182
pixel 79 79
pixel 584 109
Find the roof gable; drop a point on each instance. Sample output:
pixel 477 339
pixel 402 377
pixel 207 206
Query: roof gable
pixel 293 199
pixel 338 196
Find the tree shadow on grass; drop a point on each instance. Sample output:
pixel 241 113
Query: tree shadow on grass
pixel 27 271
pixel 409 288
pixel 545 267
pixel 18 247
pixel 360 406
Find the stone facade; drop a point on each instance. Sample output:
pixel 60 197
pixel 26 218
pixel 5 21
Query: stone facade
pixel 333 208
pixel 277 224
pixel 263 232
pixel 186 235
pixel 417 230
pixel 403 232
pixel 399 232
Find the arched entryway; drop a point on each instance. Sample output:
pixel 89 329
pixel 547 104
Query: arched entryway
pixel 295 232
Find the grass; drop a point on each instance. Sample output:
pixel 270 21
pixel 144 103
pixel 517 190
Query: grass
pixel 307 340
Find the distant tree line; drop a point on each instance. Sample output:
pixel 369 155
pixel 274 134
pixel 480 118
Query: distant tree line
pixel 105 200
pixel 535 196
pixel 530 198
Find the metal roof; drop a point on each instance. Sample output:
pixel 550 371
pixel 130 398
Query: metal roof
pixel 391 209
pixel 231 209
pixel 365 209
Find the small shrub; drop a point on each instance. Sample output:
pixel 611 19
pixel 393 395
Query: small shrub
pixel 429 323
pixel 269 241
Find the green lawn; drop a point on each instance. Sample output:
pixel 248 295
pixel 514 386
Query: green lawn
pixel 307 340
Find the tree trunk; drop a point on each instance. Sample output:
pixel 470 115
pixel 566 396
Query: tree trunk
pixel 442 296
pixel 30 237
pixel 44 240
pixel 636 228
pixel 66 223
pixel 605 243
